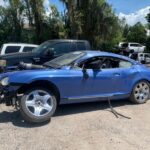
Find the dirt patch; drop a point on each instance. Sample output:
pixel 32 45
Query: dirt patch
pixel 80 126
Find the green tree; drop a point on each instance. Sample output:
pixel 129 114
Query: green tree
pixel 137 33
pixel 148 38
pixel 95 21
pixel 148 19
pixel 12 19
pixel 54 27
pixel 38 12
pixel 126 31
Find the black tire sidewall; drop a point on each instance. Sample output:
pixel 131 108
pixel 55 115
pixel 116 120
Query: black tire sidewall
pixel 31 118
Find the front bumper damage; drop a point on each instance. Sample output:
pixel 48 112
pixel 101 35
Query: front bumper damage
pixel 8 95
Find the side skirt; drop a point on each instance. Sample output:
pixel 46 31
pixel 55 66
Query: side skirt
pixel 94 98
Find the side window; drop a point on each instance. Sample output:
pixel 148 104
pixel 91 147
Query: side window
pixel 147 56
pixel 12 49
pixel 97 63
pixel 81 46
pixel 28 49
pixel 124 64
pixel 124 45
pixel 112 63
pixel 62 48
pixel 134 45
pixel 93 63
pixel 139 45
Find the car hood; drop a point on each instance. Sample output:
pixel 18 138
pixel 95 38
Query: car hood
pixel 27 76
pixel 17 55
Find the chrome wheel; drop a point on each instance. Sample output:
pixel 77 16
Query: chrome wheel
pixel 141 92
pixel 39 103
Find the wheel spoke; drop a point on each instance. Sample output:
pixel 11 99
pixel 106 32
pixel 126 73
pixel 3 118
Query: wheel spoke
pixel 46 97
pixel 30 103
pixel 37 111
pixel 47 107
pixel 137 95
pixel 36 95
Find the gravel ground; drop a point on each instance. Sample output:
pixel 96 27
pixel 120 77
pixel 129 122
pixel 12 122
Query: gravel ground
pixel 79 127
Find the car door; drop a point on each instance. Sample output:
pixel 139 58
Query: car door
pixel 91 82
pixel 113 80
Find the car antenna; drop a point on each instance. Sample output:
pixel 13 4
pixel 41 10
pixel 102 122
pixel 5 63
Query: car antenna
pixel 115 112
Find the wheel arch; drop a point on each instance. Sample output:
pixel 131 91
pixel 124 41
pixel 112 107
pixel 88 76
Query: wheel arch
pixel 41 83
pixel 146 80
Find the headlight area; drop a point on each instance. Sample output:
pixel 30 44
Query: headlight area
pixel 5 81
pixel 8 92
pixel 3 63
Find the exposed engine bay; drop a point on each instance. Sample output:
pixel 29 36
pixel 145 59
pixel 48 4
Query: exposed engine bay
pixel 26 66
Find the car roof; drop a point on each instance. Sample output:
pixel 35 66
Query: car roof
pixel 91 53
pixel 20 44
pixel 128 43
pixel 66 40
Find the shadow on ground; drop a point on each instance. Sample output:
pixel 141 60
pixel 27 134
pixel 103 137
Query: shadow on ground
pixel 17 120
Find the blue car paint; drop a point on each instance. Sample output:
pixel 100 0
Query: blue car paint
pixel 73 87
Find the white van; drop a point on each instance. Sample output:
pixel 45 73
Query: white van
pixel 16 47
pixel 131 47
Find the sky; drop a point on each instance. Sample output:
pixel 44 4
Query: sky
pixel 128 6
pixel 132 10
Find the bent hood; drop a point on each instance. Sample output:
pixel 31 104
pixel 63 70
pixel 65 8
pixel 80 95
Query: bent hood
pixel 28 76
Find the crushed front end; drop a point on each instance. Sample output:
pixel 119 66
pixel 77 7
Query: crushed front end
pixel 8 95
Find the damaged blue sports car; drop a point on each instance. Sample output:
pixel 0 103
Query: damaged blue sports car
pixel 73 78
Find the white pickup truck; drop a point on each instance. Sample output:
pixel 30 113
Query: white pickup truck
pixel 16 47
pixel 131 47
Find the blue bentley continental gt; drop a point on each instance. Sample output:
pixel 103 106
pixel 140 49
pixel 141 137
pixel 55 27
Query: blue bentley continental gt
pixel 82 76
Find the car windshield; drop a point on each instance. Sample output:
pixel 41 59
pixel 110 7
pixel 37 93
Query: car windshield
pixel 43 47
pixel 124 45
pixel 64 60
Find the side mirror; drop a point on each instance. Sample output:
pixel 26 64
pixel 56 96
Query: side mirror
pixel 49 52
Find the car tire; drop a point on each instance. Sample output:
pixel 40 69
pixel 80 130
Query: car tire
pixel 140 93
pixel 38 105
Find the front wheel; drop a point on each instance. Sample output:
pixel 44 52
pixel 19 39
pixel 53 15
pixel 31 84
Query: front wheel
pixel 140 93
pixel 38 105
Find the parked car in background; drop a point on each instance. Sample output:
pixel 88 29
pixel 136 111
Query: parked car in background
pixel 16 47
pixel 131 47
pixel 81 76
pixel 143 58
pixel 45 52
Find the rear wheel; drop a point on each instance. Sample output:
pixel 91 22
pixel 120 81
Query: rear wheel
pixel 38 105
pixel 140 93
